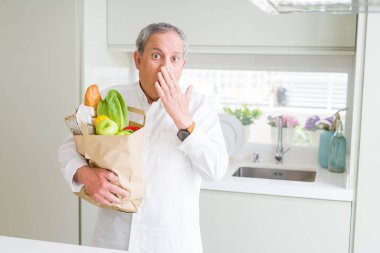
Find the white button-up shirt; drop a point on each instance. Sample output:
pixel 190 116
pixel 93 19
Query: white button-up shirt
pixel 168 218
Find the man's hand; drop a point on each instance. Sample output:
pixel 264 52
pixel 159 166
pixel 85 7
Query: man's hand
pixel 99 185
pixel 174 101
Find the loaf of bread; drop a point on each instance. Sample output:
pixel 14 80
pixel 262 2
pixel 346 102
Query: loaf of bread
pixel 92 97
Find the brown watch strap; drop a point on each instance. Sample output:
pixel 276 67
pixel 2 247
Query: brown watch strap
pixel 191 127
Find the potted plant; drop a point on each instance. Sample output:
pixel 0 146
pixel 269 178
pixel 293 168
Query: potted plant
pixel 245 115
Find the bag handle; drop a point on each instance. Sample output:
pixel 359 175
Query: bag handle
pixel 84 129
pixel 85 134
pixel 137 111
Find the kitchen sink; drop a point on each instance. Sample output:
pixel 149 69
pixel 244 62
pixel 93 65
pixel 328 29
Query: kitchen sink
pixel 280 174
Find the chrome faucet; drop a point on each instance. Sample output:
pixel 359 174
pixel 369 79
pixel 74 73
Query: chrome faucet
pixel 256 157
pixel 280 149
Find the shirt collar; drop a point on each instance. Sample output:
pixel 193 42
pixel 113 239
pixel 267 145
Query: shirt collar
pixel 142 98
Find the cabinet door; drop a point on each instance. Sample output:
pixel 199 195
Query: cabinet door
pixel 237 222
pixel 226 26
pixel 367 221
pixel 89 215
pixel 39 86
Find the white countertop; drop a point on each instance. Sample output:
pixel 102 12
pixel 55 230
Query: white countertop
pixel 327 185
pixel 20 245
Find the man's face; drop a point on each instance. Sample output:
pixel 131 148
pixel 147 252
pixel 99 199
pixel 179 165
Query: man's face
pixel 161 50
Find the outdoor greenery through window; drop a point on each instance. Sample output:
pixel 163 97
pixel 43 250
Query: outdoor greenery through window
pixel 302 97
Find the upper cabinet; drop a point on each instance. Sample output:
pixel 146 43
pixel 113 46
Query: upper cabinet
pixel 231 26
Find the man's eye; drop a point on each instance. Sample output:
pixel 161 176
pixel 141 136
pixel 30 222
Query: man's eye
pixel 176 58
pixel 156 56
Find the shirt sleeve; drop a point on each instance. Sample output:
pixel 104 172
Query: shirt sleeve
pixel 205 145
pixel 70 161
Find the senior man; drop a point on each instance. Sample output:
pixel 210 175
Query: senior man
pixel 183 143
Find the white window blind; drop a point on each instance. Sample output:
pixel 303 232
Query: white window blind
pixel 315 90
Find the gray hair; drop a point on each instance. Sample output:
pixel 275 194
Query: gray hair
pixel 147 31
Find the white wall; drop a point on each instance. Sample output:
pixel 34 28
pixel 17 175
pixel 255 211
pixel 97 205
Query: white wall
pixel 101 66
pixel 367 225
pixel 39 64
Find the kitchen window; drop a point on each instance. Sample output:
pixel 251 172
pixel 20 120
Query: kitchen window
pixel 297 86
pixel 269 89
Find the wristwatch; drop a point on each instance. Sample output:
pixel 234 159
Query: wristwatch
pixel 184 133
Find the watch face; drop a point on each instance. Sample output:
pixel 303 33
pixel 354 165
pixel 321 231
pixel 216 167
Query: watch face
pixel 182 134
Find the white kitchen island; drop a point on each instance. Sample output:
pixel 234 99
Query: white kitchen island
pixel 20 245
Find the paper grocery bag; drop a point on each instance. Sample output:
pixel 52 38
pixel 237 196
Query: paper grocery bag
pixel 119 154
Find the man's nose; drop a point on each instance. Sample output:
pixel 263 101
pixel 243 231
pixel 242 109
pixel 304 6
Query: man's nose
pixel 167 64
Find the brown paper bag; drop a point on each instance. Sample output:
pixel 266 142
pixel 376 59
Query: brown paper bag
pixel 121 155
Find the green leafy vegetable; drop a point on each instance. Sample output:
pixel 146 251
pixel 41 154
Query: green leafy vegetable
pixel 113 106
pixel 102 108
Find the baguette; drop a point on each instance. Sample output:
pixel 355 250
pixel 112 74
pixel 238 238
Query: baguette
pixel 92 97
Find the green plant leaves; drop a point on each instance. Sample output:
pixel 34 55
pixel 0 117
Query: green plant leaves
pixel 244 114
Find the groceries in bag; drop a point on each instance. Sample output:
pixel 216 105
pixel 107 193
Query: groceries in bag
pixel 113 142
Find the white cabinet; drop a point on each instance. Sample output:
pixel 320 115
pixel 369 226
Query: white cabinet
pixel 89 215
pixel 237 222
pixel 229 26
pixel 367 221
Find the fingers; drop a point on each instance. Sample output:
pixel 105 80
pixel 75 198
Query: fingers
pixel 103 202
pixel 175 83
pixel 175 102
pixel 103 188
pixel 110 176
pixel 189 92
pixel 102 198
pixel 168 84
pixel 118 191
pixel 164 85
pixel 160 91
pixel 114 189
pixel 111 195
pixel 112 198
pixel 168 78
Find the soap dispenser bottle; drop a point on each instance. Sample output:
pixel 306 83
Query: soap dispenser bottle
pixel 337 150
